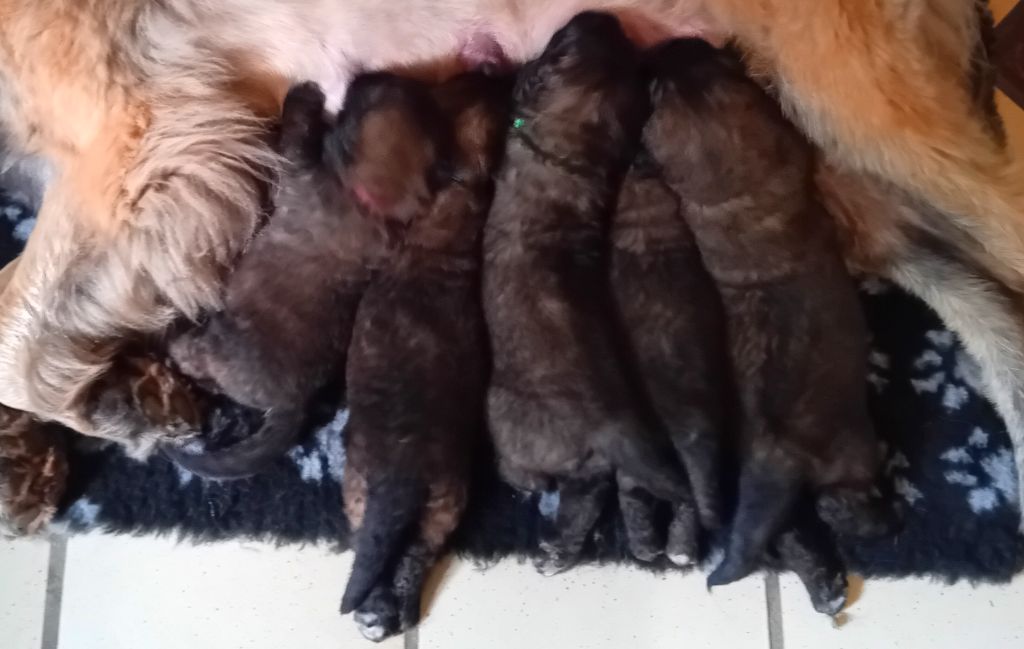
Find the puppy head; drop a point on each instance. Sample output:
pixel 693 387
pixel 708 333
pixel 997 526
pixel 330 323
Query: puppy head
pixel 477 104
pixel 583 97
pixel 715 132
pixel 389 147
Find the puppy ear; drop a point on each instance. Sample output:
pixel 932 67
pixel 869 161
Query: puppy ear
pixel 339 146
pixel 530 83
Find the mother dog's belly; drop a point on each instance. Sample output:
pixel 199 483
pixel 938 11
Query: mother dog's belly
pixel 329 41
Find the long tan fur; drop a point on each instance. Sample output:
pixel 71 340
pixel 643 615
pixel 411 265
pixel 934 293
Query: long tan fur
pixel 149 113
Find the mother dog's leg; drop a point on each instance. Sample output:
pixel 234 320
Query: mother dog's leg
pixel 886 87
pixel 889 232
pixel 33 472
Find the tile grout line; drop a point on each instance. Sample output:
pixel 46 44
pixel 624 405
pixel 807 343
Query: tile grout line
pixel 412 638
pixel 773 600
pixel 54 592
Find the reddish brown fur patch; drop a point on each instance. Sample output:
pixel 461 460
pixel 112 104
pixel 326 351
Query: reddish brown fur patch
pixel 354 492
pixel 33 471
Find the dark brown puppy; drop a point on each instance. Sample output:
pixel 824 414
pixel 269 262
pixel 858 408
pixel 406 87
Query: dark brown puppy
pixel 672 321
pixel 416 377
pixel 797 337
pixel 291 303
pixel 559 407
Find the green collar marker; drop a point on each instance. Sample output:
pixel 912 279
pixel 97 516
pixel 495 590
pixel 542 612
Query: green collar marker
pixel 518 122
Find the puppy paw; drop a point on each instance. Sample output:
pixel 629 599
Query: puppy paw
pixel 164 398
pixel 683 546
pixel 33 472
pixel 645 553
pixel 371 626
pixel 554 560
pixel 829 596
pixel 142 397
pixel 378 617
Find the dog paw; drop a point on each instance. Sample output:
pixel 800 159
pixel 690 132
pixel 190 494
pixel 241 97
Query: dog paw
pixel 378 617
pixel 646 554
pixel 370 626
pixel 164 398
pixel 554 560
pixel 683 545
pixel 829 597
pixel 33 472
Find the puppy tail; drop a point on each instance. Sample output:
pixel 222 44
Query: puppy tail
pixel 279 432
pixel 392 513
pixel 654 466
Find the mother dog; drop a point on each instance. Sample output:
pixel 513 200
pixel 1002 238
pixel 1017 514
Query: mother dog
pixel 149 114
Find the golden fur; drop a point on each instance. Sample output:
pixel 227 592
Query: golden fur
pixel 149 113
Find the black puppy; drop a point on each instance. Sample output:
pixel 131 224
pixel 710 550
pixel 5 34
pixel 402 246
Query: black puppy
pixel 416 375
pixel 291 303
pixel 797 336
pixel 673 327
pixel 560 409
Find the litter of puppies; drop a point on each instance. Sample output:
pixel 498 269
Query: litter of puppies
pixel 613 264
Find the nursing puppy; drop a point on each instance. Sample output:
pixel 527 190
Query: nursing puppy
pixel 559 407
pixel 671 317
pixel 797 338
pixel 291 304
pixel 416 376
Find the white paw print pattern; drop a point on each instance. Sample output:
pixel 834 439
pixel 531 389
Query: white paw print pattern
pixel 326 455
pixel 987 475
pixel 944 370
pixel 17 216
pixel 897 469
pixel 878 370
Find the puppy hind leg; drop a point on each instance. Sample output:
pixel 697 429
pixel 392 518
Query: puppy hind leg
pixel 33 472
pixel 807 550
pixel 767 493
pixel 580 505
pixel 410 576
pixel 683 546
pixel 644 535
pixel 443 514
pixel 697 443
pixel 378 617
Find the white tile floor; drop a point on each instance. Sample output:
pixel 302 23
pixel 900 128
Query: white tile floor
pixel 146 593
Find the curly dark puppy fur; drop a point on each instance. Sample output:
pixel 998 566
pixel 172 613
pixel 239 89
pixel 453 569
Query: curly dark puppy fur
pixel 672 321
pixel 33 471
pixel 559 407
pixel 291 303
pixel 416 377
pixel 797 337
